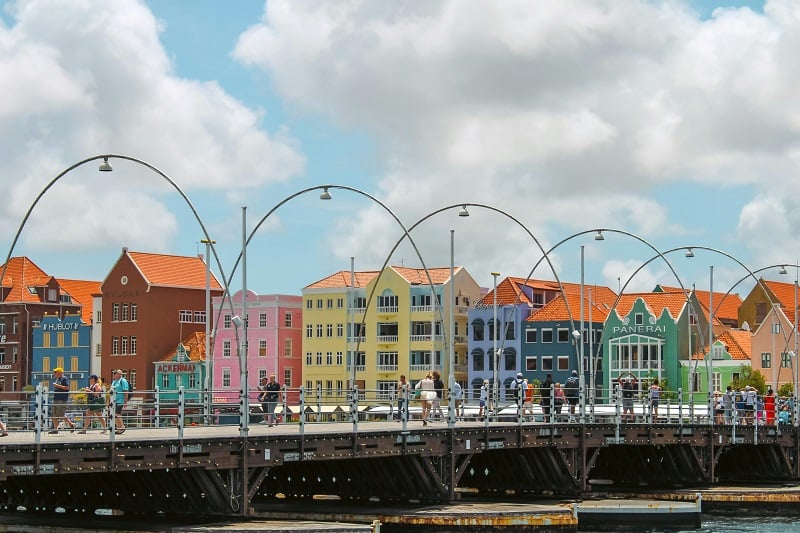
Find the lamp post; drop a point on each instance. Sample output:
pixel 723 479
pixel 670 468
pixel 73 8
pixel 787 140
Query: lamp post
pixel 451 365
pixel 579 337
pixel 208 385
pixel 495 355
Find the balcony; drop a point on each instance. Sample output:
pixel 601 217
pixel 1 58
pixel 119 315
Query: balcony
pixel 421 309
pixel 387 368
pixel 459 339
pixel 462 310
pixel 387 339
pixel 421 368
pixel 425 338
pixel 387 309
pixel 358 310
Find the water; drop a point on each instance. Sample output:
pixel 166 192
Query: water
pixel 733 522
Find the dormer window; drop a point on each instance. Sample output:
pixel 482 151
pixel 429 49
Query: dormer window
pixel 52 295
pixel 32 290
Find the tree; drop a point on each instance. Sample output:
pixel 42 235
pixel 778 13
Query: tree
pixel 786 390
pixel 748 376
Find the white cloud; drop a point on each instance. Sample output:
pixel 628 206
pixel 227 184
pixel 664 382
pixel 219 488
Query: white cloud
pixel 91 77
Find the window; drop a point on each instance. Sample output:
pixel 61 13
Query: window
pixel 386 389
pixel 329 358
pixel 308 358
pixel 329 303
pixel 716 381
pixel 359 302
pixel 46 340
pixel 717 352
pixel 309 304
pixel 319 330
pixel 776 329
pixel 287 377
pixel 114 345
pixel 387 361
pixel 563 335
pixel 115 313
pixel 98 351
pixel 134 312
pixel 74 340
pixel 339 330
pixel 262 320
pixel 493 329
pixel 692 319
pixel 226 348
pixel 14 354
pixel 638 319
pixel 547 336
pixel 319 303
pixel 563 362
pixel 547 364
pixel 309 331
pixel 60 339
pixel 226 377
pixel 133 345
pixel 339 358
pixel 287 320
pixel 287 347
pixel 262 347
pixel 766 360
pixel 510 331
pixel 124 345
pixel 478 360
pixel 124 312
pixel 192 381
pixel 477 330
pixel 530 364
pixel 185 316
pixel 319 358
pixel 226 321
pixel 786 360
pixel 329 330
pixel 339 303
pixel 74 364
pixel 52 295
pixel 388 302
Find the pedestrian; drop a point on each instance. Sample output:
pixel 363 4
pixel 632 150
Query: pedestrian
pixel 769 406
pixel 96 403
pixel 655 395
pixel 545 391
pixel 120 388
pixel 719 408
pixel 269 399
pixel 558 400
pixel 262 398
pixel 458 399
pixel 402 395
pixel 572 392
pixel 750 399
pixel 60 399
pixel 727 404
pixel 527 404
pixel 628 386
pixel 426 396
pixel 438 386
pixel 483 399
pixel 520 386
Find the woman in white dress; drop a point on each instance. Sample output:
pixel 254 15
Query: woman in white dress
pixel 426 396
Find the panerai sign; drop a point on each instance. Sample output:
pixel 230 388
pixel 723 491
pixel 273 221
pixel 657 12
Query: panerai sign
pixel 641 328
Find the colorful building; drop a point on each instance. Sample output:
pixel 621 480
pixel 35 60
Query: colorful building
pixel 274 339
pixel 730 351
pixel 64 343
pixel 184 367
pixel 149 302
pixel 396 324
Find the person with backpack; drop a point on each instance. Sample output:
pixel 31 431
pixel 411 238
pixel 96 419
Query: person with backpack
pixel 572 392
pixel 546 394
pixel 520 386
pixel 121 388
pixel 655 394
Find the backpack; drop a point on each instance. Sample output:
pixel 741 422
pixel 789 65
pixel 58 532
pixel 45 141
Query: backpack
pixel 572 386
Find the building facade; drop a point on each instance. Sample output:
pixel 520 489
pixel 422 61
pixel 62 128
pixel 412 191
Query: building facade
pixel 64 343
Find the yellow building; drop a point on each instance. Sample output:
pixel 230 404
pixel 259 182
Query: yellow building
pixel 390 336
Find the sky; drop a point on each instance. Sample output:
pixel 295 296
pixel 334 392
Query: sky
pixel 672 123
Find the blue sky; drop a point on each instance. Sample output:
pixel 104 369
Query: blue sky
pixel 681 129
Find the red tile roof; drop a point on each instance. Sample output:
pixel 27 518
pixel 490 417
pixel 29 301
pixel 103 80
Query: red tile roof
pixel 81 292
pixel 729 310
pixel 737 342
pixel 341 279
pixel 673 301
pixel 417 276
pixel 20 274
pixel 784 292
pixel 556 309
pixel 195 345
pixel 173 270
pixel 510 290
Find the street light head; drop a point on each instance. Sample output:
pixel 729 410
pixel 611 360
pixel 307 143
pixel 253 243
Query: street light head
pixel 237 321
pixel 599 236
pixel 325 195
pixel 463 211
pixel 689 253
pixel 783 270
pixel 576 334
pixel 105 166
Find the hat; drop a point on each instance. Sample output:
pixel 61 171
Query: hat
pixel 574 372
pixel 93 376
pixel 519 374
pixel 58 369
pixel 118 371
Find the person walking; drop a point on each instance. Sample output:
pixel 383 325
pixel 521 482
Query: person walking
pixel 628 386
pixel 269 399
pixel 545 392
pixel 769 406
pixel 655 394
pixel 121 388
pixel 60 399
pixel 483 399
pixel 402 397
pixel 728 404
pixel 458 399
pixel 96 402
pixel 558 400
pixel 438 386
pixel 427 393
pixel 572 393
pixel 527 402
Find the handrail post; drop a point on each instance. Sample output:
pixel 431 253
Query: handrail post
pixel 680 409
pixel 39 420
pixel 404 408
pixel 157 409
pixel 302 418
pixel 354 407
pixel 112 414
pixel 617 417
pixel 582 403
pixel 181 411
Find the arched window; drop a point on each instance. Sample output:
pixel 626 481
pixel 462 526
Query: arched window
pixel 478 361
pixel 477 329
pixel 510 358
pixel 494 329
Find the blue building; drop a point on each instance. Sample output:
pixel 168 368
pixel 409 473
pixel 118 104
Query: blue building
pixel 61 343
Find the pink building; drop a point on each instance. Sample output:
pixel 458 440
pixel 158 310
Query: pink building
pixel 274 342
